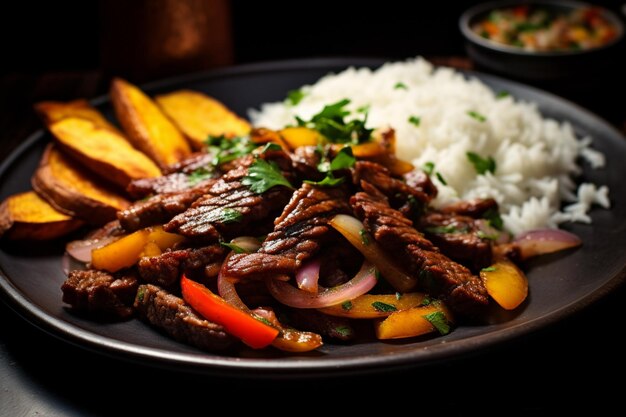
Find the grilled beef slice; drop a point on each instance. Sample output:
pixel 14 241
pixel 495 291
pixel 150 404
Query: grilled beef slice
pixel 205 219
pixel 160 208
pixel 437 274
pixel 100 293
pixel 171 183
pixel 458 238
pixel 472 208
pixel 176 318
pixel 166 269
pixel 297 234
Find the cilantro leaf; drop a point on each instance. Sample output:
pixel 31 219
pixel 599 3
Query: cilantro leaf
pixel 364 237
pixel 476 116
pixel 482 165
pixel 199 175
pixel 363 109
pixel 494 219
pixel 230 215
pixel 384 307
pixel 414 120
pixel 400 86
pixel 271 146
pixel 344 331
pixel 502 94
pixel 331 124
pixel 428 167
pixel 489 269
pixel 439 322
pixel 295 96
pixel 228 149
pixel 263 175
pixel 483 235
pixel 328 181
pixel 343 160
pixel 347 305
pixel 426 301
pixel 449 228
pixel 440 178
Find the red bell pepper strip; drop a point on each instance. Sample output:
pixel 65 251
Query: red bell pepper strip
pixel 249 329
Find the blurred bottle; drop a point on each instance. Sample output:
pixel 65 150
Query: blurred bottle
pixel 147 39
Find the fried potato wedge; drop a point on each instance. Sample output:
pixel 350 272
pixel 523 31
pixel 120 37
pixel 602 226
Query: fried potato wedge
pixel 26 216
pixel 103 151
pixel 198 116
pixel 146 125
pixel 71 189
pixel 54 111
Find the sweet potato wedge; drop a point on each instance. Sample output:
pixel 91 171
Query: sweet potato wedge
pixel 26 216
pixel 198 116
pixel 71 189
pixel 103 151
pixel 146 125
pixel 54 111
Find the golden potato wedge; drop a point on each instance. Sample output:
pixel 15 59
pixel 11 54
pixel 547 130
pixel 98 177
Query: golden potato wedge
pixel 53 111
pixel 26 216
pixel 69 188
pixel 102 151
pixel 198 116
pixel 146 125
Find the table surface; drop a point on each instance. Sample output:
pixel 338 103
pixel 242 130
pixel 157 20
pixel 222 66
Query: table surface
pixel 564 365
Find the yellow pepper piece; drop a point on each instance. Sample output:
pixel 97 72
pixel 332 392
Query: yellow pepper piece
pixel 300 136
pixel 364 306
pixel 410 323
pixel 505 283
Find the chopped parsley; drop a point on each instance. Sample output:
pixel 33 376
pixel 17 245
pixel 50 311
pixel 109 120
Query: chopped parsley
pixel 263 175
pixel 199 175
pixel 476 116
pixel 364 237
pixel 263 320
pixel 383 307
pixel 228 149
pixel 347 305
pixel 233 247
pixel 331 123
pixel 448 228
pixel 328 181
pixel 230 215
pixel 439 322
pixel 440 178
pixel 295 96
pixel 482 165
pixel 414 120
pixel 344 331
pixel 343 160
pixel 141 293
pixel 400 86
pixel 489 269
pixel 271 146
pixel 494 219
pixel 426 301
pixel 363 109
pixel 428 167
pixel 502 94
pixel 483 235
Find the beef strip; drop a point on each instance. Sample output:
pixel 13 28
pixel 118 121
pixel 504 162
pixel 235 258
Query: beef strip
pixel 176 318
pixel 311 320
pixel 297 235
pixel 305 160
pixel 204 219
pixel 191 163
pixel 166 184
pixel 418 180
pixel 100 293
pixel 458 238
pixel 166 269
pixel 160 208
pixel 436 273
pixel 472 208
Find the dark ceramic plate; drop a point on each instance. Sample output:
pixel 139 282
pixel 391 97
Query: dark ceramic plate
pixel 560 285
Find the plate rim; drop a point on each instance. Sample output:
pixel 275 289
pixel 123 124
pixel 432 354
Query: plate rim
pixel 292 367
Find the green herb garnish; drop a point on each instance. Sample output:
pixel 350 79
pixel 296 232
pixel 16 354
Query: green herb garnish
pixel 235 248
pixel 343 160
pixel 230 215
pixel 331 124
pixel 440 178
pixel 426 301
pixel 398 295
pixel 439 322
pixel 295 96
pixel 482 165
pixel 400 86
pixel 483 235
pixel 263 175
pixel 271 146
pixel 263 320
pixel 347 305
pixel 477 116
pixel 489 269
pixel 414 120
pixel 502 94
pixel 383 307
pixel 363 109
pixel 449 228
pixel 199 175
pixel 364 237
pixel 141 293
pixel 228 149
pixel 328 181
pixel 428 167
pixel 494 219
pixel 344 331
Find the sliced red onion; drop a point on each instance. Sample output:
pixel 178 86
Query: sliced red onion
pixel 248 243
pixel 81 249
pixel 542 241
pixel 226 287
pixel 308 276
pixel 498 237
pixel 289 295
pixel 68 263
pixel 354 231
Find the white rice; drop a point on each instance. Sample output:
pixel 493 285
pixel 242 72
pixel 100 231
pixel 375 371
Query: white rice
pixel 536 157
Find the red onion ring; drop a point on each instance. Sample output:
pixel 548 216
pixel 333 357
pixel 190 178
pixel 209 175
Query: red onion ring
pixel 81 249
pixel 543 241
pixel 289 295
pixel 308 276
